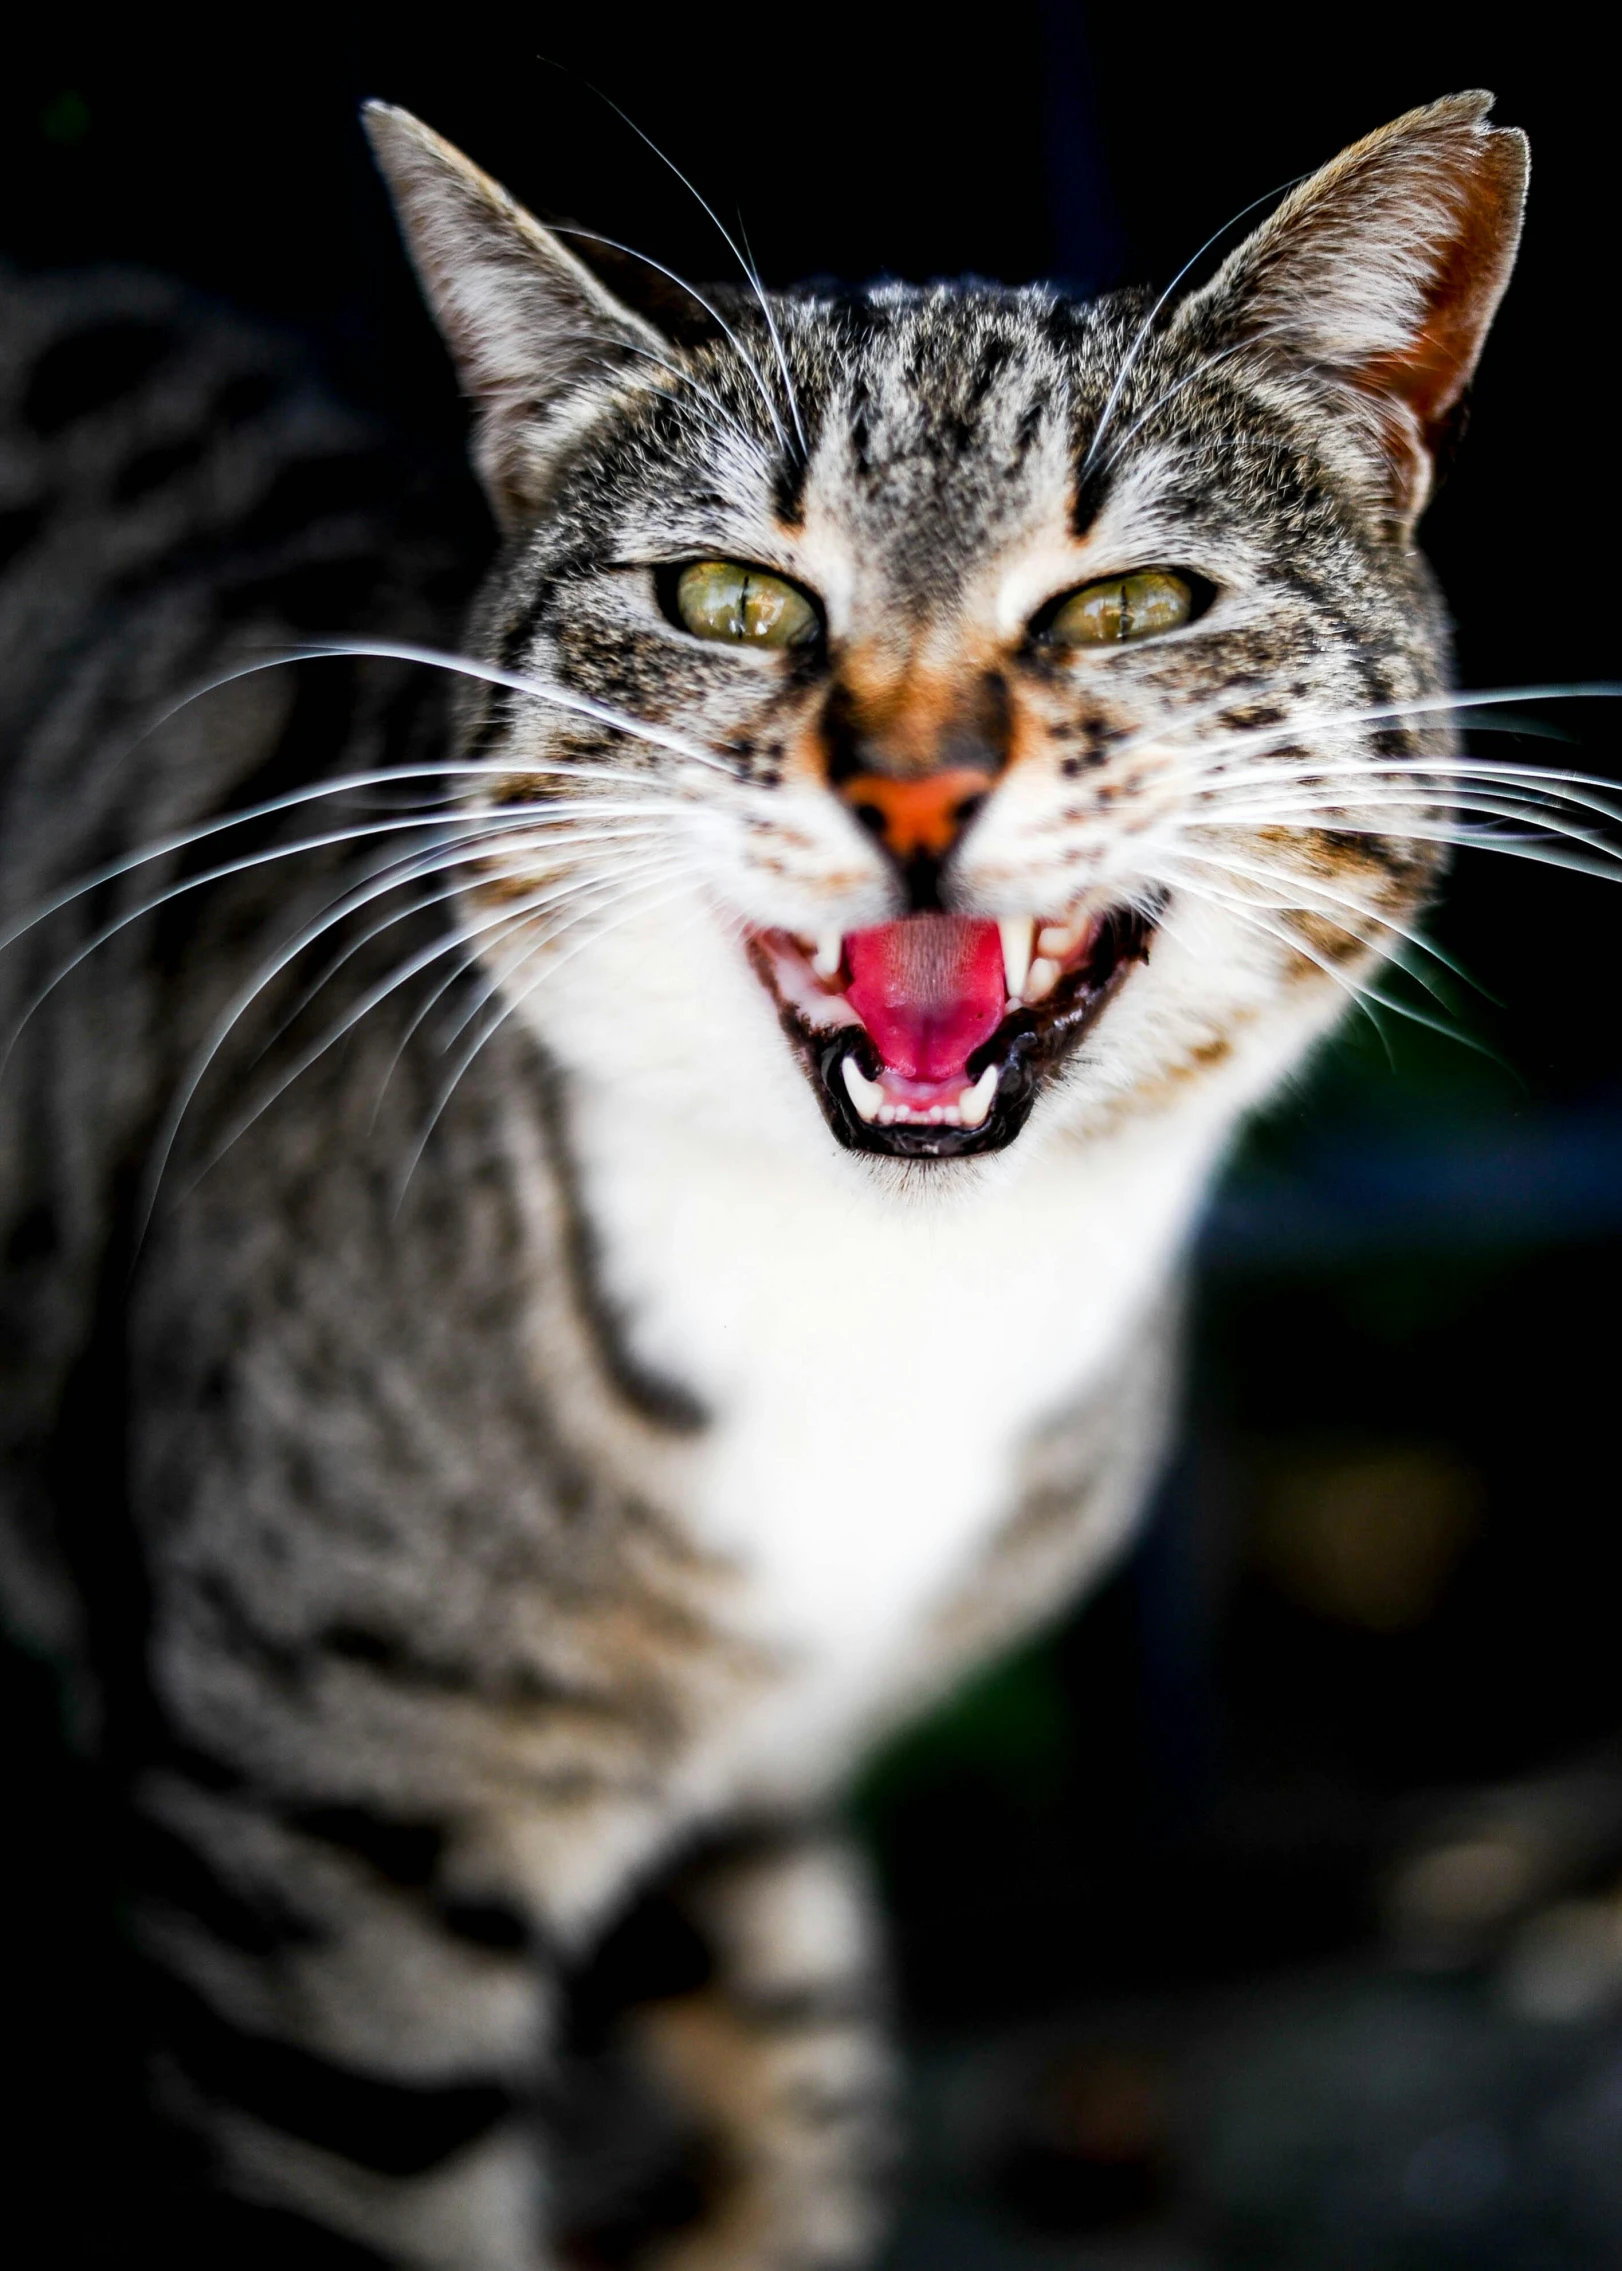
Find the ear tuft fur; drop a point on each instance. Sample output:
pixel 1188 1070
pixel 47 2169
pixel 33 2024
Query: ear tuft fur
pixel 531 330
pixel 1382 273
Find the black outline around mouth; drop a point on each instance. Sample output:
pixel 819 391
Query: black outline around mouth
pixel 1027 1047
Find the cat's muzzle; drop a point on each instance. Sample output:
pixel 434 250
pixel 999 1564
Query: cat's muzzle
pixel 924 1042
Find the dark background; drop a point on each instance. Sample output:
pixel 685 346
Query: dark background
pixel 1382 1571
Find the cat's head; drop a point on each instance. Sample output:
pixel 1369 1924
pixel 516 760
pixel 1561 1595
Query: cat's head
pixel 961 715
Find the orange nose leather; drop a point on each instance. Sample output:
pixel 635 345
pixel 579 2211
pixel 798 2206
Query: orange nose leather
pixel 915 816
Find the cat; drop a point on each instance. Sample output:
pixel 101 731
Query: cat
pixel 578 1254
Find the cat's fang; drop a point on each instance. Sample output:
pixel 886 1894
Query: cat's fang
pixel 828 952
pixel 976 1102
pixel 865 1094
pixel 1041 979
pixel 1016 933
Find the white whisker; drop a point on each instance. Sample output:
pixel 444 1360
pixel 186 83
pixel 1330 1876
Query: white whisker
pixel 173 891
pixel 1416 824
pixel 612 244
pixel 1359 992
pixel 512 921
pixel 472 953
pixel 1141 336
pixel 1307 895
pixel 1440 706
pixel 349 903
pixel 182 840
pixel 613 881
pixel 724 426
pixel 747 266
pixel 1533 848
pixel 1214 753
pixel 513 1003
pixel 1188 378
pixel 495 824
pixel 516 682
pixel 759 290
pixel 400 975
pixel 1429 780
pixel 426 865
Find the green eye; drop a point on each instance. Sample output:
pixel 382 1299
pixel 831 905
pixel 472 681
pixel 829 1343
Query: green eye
pixel 722 599
pixel 743 605
pixel 1123 607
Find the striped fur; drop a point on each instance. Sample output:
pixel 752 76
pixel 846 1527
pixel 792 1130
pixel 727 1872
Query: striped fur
pixel 484 1519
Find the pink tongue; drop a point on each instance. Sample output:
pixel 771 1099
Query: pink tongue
pixel 929 990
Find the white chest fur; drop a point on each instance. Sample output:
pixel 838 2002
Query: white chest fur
pixel 874 1362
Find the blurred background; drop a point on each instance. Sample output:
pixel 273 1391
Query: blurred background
pixel 1267 1913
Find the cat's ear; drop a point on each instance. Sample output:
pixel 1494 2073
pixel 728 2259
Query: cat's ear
pixel 530 329
pixel 1380 275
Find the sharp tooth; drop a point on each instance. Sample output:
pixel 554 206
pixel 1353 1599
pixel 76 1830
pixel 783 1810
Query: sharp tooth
pixel 1016 951
pixel 865 1094
pixel 828 956
pixel 1055 939
pixel 1042 980
pixel 975 1102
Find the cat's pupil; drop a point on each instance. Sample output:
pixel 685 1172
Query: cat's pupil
pixel 724 599
pixel 1123 607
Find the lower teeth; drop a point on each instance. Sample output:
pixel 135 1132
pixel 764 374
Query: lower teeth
pixel 968 1110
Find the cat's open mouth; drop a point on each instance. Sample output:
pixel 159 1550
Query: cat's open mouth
pixel 930 1037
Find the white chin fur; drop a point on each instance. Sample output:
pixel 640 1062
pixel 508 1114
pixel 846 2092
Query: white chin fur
pixel 816 1300
pixel 662 1011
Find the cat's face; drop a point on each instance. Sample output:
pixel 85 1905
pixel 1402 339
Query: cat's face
pixel 978 717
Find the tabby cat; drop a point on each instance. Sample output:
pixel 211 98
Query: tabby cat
pixel 595 1204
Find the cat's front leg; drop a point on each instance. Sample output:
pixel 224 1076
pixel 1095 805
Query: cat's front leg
pixel 357 2047
pixel 781 2059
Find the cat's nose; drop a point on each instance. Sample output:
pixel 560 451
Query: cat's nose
pixel 914 757
pixel 919 817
